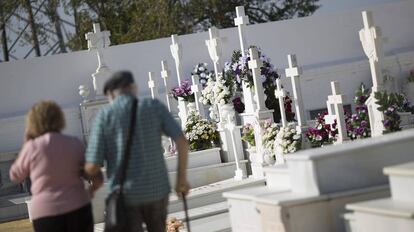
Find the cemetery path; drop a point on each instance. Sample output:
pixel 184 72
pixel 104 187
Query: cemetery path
pixel 17 226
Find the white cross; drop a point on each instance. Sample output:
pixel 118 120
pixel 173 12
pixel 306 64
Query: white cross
pixel 255 64
pixel 231 128
pixel 98 39
pixel 241 21
pixel 176 52
pixel 165 75
pixel 196 89
pixel 214 48
pixel 152 84
pixel 294 72
pixel 337 101
pixel 371 40
pixel 280 93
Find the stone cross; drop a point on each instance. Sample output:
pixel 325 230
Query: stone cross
pixel 371 40
pixel 337 101
pixel 152 84
pixel 196 89
pixel 241 22
pixel 331 116
pixel 294 72
pixel 280 93
pixel 255 64
pixel 214 48
pixel 165 75
pixel 97 41
pixel 176 52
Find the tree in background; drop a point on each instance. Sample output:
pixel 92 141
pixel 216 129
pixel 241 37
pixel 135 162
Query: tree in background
pixel 132 21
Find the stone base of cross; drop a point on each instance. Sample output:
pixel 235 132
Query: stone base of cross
pixel 99 78
pixel 255 119
pixel 375 116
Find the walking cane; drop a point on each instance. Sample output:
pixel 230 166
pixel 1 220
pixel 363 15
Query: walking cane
pixel 187 219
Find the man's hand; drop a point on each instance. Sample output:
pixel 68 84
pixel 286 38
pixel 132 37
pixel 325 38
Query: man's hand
pixel 182 187
pixel 94 174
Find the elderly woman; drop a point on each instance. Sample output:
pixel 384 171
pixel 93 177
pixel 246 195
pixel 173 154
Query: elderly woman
pixel 54 162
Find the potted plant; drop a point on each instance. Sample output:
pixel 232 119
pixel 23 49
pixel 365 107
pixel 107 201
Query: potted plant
pixel 201 71
pixel 321 134
pixel 270 131
pixel 183 93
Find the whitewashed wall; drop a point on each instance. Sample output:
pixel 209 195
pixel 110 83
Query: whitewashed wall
pixel 327 45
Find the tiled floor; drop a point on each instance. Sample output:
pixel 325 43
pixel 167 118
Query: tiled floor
pixel 17 226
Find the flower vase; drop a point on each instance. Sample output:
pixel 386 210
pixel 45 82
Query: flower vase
pixel 279 156
pixel 191 106
pixel 252 153
pixel 410 91
pixel 225 112
pixel 214 115
pixel 269 158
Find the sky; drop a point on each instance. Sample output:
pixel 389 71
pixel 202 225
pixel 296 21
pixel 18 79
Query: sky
pixel 329 6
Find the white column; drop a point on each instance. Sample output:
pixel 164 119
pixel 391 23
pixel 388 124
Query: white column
pixel 196 89
pixel 152 84
pixel 176 52
pixel 241 21
pixel 280 93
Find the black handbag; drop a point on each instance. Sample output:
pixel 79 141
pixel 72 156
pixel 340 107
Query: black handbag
pixel 115 218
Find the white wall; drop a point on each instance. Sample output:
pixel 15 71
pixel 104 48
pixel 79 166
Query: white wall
pixel 327 45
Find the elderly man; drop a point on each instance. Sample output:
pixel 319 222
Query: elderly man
pixel 146 186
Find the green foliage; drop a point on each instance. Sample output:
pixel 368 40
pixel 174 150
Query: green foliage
pixel 132 21
pixel 385 100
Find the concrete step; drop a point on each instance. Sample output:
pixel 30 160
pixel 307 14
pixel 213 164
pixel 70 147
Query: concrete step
pixel 401 181
pixel 203 219
pixel 383 215
pixel 13 207
pixel 202 176
pixel 212 193
pixel 277 176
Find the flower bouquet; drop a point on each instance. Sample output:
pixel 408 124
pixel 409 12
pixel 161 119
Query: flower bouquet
pixel 202 72
pixel 200 133
pixel 219 92
pixel 238 70
pixel 288 140
pixel 357 124
pixel 248 135
pixel 183 91
pixel 269 131
pixel 322 133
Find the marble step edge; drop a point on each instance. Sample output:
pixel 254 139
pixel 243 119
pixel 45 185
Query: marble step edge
pixel 226 185
pixel 285 197
pixel 406 169
pixel 242 162
pixel 386 207
pixel 279 169
pixel 202 212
